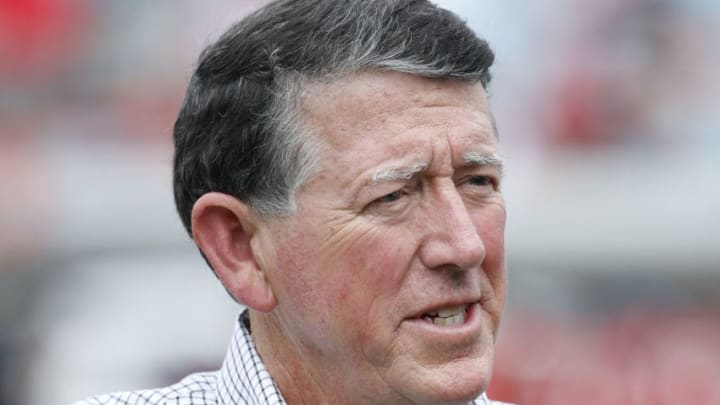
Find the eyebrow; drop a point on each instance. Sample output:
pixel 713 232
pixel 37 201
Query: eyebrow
pixel 407 172
pixel 399 173
pixel 484 159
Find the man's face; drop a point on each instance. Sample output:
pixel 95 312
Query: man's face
pixel 390 278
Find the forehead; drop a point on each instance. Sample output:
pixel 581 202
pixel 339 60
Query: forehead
pixel 386 114
pixel 391 102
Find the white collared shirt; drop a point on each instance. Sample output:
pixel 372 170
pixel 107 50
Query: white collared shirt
pixel 243 379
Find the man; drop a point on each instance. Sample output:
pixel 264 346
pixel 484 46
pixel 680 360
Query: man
pixel 337 165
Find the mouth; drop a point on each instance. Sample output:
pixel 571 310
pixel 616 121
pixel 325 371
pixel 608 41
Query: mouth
pixel 452 314
pixel 457 324
pixel 447 316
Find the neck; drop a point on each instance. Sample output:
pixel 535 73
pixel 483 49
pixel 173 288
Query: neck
pixel 294 370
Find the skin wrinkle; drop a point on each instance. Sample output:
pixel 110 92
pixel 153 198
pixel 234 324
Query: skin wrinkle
pixel 344 237
pixel 405 261
pixel 319 89
pixel 347 237
pixel 408 172
pixel 472 159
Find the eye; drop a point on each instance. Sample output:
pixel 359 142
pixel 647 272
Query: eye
pixel 482 181
pixel 389 198
pixel 479 185
pixel 394 203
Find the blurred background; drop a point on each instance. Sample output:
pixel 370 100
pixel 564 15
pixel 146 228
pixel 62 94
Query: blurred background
pixel 609 119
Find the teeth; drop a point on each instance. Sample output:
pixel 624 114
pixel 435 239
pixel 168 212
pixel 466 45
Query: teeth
pixel 448 316
pixel 448 312
pixel 453 320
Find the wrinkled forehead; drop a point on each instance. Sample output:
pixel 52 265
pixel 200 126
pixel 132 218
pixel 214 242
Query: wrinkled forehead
pixel 391 102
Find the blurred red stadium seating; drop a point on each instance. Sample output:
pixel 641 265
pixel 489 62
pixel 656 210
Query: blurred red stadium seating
pixel 630 358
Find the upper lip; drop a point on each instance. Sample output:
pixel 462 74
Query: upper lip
pixel 444 304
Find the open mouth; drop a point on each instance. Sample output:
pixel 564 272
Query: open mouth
pixel 447 316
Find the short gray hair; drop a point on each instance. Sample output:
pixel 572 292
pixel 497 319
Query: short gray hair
pixel 240 130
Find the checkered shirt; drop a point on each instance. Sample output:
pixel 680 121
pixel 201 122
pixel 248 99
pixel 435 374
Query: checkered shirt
pixel 242 380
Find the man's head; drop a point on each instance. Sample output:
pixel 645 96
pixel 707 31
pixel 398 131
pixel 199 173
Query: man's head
pixel 337 165
pixel 239 130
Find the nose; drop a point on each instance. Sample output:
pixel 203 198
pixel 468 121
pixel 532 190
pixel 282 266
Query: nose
pixel 451 239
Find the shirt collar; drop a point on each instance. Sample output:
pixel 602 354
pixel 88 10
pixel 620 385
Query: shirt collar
pixel 243 378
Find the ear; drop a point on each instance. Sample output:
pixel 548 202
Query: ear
pixel 223 228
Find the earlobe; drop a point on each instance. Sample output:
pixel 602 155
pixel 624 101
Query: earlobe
pixel 223 228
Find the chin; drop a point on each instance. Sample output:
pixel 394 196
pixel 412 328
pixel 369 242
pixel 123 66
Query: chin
pixel 450 384
pixel 455 393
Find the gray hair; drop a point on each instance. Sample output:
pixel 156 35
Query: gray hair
pixel 240 130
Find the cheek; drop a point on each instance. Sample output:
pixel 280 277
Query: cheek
pixel 370 296
pixel 342 276
pixel 376 268
pixel 295 273
pixel 493 237
pixel 491 229
pixel 337 285
pixel 373 267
